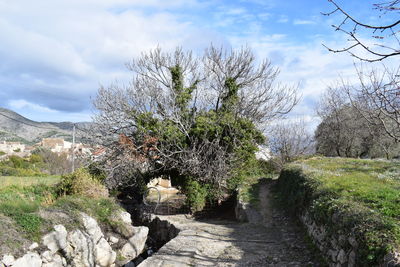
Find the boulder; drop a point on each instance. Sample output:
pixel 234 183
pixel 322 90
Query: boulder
pixel 80 249
pixel 104 255
pixel 56 240
pixel 136 243
pixel 52 260
pixel 92 228
pixel 124 223
pixel 31 259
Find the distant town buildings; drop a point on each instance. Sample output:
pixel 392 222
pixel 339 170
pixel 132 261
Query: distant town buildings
pixel 56 145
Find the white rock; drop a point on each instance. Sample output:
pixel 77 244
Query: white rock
pixel 80 249
pixel 113 240
pixel 104 255
pixel 136 243
pixel 56 240
pixel 1 264
pixel 31 259
pixel 91 227
pixel 33 246
pixel 47 256
pixel 124 217
pixel 56 261
pixel 8 259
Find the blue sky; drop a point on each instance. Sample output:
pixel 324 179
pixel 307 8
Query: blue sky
pixel 55 54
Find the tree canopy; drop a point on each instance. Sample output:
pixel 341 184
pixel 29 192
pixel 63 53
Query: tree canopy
pixel 196 118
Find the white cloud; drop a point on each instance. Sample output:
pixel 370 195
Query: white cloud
pixel 303 22
pixel 23 104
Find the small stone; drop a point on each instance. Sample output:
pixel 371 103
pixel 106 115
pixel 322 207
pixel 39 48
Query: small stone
pixel 113 240
pixel 352 259
pixel 341 257
pixel 353 242
pixel 30 259
pixel 33 246
pixel 8 259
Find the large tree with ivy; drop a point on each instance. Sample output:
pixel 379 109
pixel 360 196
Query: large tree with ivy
pixel 198 119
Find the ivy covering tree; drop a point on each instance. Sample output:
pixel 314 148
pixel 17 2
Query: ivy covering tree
pixel 196 119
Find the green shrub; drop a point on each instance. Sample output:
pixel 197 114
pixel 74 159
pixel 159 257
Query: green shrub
pixel 81 183
pixel 196 195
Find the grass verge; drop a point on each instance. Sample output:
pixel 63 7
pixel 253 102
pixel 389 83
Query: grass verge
pixel 359 198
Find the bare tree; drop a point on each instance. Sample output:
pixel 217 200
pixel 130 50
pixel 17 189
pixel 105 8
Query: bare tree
pixel 348 127
pixel 385 36
pixel 178 101
pixel 289 140
pixel 377 99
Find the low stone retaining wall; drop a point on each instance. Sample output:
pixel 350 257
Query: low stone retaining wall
pixel 346 234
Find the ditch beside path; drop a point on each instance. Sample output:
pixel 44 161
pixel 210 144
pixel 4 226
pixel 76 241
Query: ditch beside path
pixel 276 241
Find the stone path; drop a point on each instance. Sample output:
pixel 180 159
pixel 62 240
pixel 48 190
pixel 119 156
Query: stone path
pixel 276 241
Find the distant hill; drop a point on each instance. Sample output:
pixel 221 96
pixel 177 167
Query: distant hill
pixel 14 127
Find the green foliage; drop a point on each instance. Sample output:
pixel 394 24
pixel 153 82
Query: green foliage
pixel 348 195
pixel 17 166
pixel 196 195
pixel 96 172
pixel 2 153
pixel 81 183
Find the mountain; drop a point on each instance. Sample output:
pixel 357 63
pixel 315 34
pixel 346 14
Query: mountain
pixel 14 127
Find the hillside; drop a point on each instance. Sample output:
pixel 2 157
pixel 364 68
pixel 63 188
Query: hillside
pixel 14 127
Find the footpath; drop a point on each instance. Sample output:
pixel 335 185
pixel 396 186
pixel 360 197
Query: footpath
pixel 274 240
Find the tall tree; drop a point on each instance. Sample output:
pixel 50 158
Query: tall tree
pixel 194 117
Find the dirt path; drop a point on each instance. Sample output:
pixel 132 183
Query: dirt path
pixel 276 241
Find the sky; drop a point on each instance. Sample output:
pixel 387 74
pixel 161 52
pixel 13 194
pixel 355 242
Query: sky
pixel 55 54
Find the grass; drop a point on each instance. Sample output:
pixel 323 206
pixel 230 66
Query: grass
pixel 6 181
pixel 32 206
pixel 374 184
pixel 355 197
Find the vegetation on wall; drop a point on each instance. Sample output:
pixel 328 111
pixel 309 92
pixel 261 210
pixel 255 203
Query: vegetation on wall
pixel 359 198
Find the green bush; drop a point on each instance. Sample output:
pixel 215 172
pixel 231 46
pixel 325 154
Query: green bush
pixel 196 195
pixel 81 183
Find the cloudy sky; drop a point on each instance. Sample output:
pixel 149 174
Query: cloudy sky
pixel 56 53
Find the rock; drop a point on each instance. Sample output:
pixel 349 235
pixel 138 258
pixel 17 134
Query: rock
pixel 91 227
pixel 136 243
pixel 47 256
pixel 56 261
pixel 124 225
pixel 33 246
pixel 8 259
pixel 32 259
pixel 124 217
pixel 56 240
pixel 113 240
pixel 352 259
pixel 341 257
pixel 353 242
pixel 80 249
pixel 104 255
pixel 1 264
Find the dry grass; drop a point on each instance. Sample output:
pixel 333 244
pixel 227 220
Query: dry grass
pixel 6 181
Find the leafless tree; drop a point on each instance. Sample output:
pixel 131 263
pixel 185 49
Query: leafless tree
pixel 345 131
pixel 289 140
pixel 385 36
pixel 173 88
pixel 377 98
